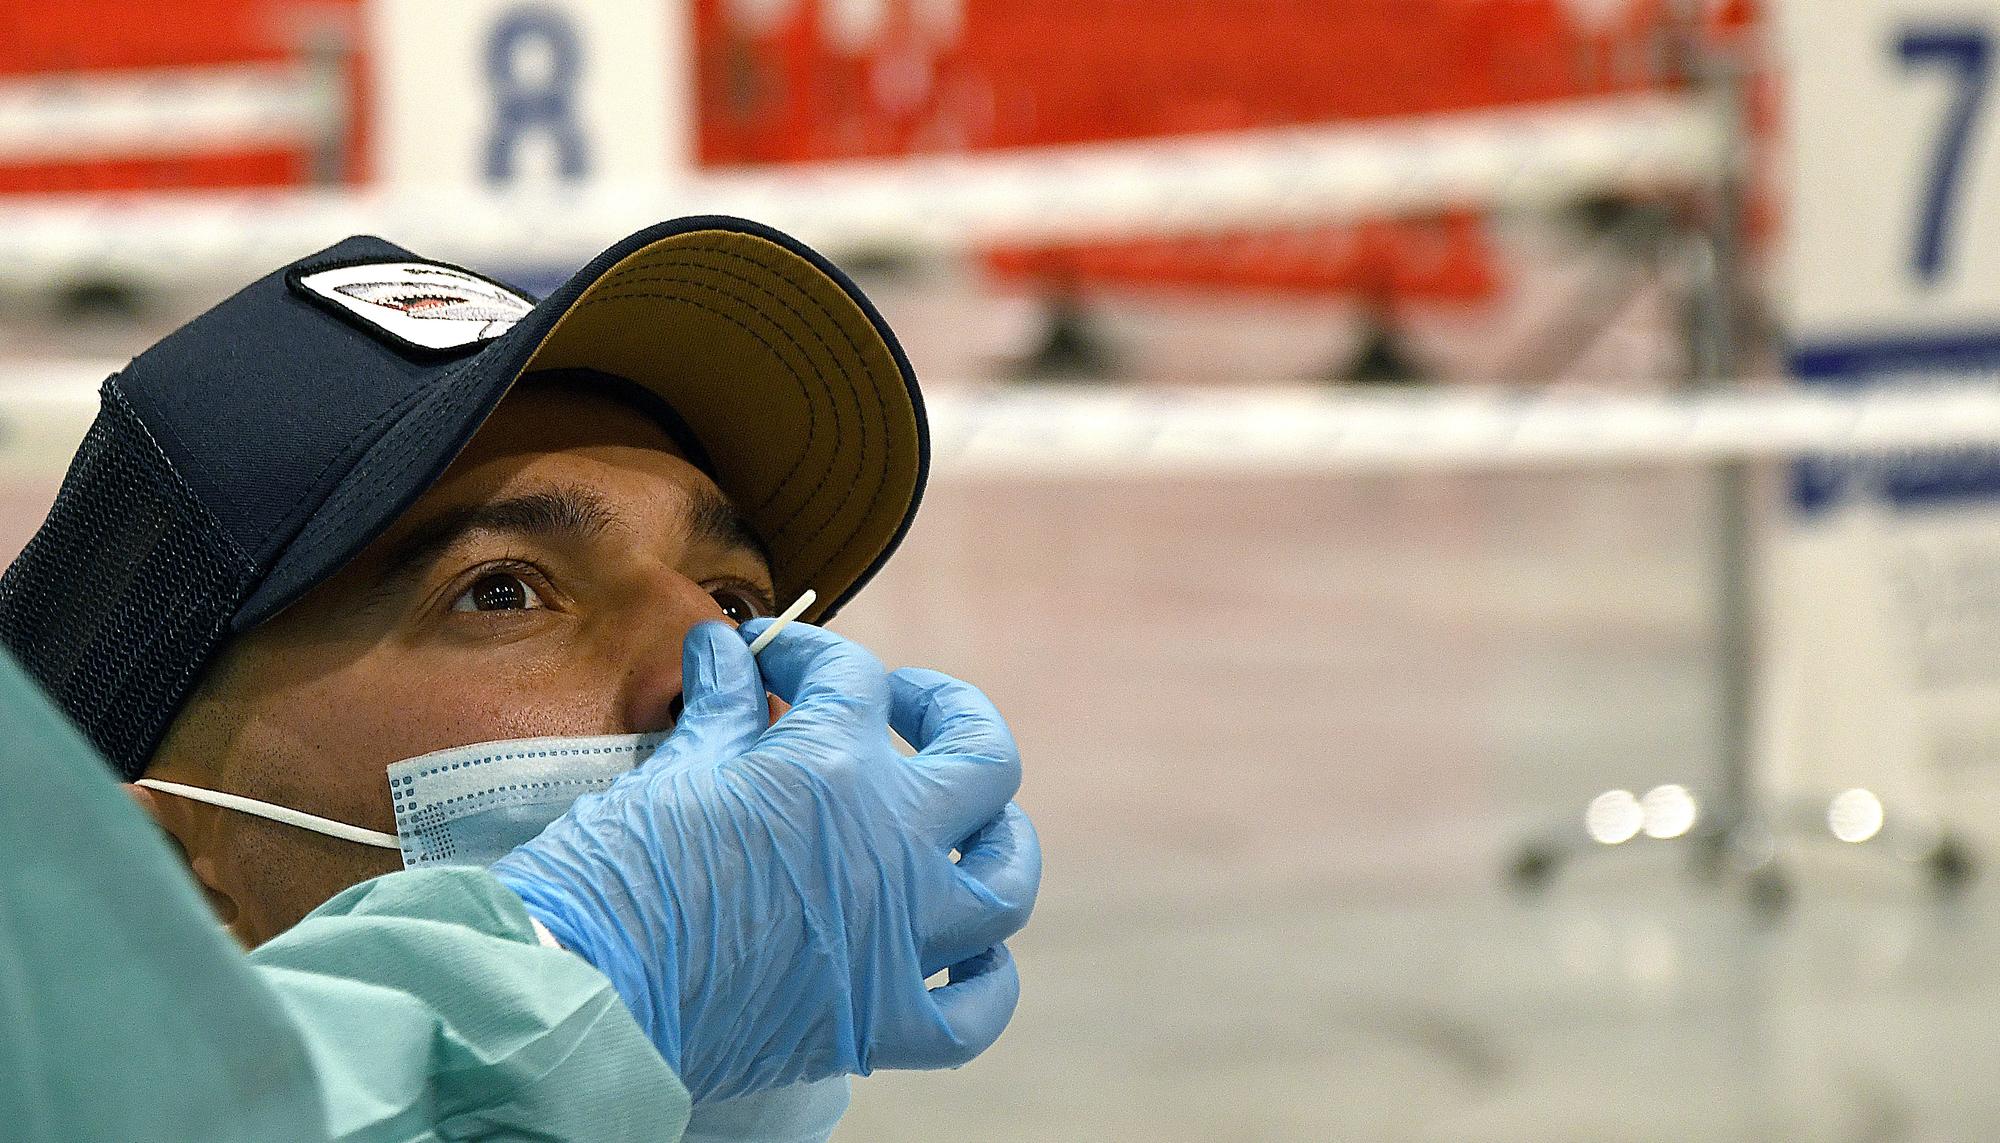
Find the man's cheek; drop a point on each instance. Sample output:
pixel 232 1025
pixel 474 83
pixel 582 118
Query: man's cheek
pixel 778 706
pixel 463 707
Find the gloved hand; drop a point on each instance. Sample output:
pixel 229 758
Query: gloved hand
pixel 769 900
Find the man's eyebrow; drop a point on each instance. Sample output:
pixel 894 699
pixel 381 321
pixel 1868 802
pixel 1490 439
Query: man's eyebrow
pixel 713 518
pixel 565 513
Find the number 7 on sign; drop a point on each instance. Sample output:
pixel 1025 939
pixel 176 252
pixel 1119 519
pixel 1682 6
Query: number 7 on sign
pixel 1968 53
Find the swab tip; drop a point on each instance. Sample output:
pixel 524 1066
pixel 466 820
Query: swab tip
pixel 798 608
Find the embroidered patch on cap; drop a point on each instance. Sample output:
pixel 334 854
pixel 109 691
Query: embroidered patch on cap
pixel 420 304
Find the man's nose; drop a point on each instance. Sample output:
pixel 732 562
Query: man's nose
pixel 671 607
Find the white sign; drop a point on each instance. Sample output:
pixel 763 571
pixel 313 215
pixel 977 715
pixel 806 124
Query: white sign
pixel 529 93
pixel 1892 251
pixel 1838 697
pixel 1883 590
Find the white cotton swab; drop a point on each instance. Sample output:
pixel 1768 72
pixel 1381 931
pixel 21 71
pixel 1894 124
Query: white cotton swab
pixel 797 609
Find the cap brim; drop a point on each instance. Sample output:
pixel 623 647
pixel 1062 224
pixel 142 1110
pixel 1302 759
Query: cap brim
pixel 787 377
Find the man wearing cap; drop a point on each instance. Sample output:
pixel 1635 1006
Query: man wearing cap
pixel 378 563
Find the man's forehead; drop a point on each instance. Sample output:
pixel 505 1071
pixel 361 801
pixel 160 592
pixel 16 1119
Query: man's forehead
pixel 565 464
pixel 563 448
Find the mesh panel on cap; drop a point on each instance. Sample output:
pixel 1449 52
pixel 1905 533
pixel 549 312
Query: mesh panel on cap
pixel 116 604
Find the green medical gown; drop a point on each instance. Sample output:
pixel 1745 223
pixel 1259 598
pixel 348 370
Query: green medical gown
pixel 416 1006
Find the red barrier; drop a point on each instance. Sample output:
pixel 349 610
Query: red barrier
pixel 54 36
pixel 1010 73
pixel 84 38
pixel 1013 73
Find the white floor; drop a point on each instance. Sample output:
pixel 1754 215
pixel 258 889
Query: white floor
pixel 1282 739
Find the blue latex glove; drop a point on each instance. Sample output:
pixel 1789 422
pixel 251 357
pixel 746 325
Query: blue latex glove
pixel 768 900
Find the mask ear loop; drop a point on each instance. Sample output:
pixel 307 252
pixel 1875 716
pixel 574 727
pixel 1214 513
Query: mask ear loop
pixel 276 813
pixel 797 609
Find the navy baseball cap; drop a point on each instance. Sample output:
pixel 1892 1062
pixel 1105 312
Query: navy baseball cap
pixel 251 453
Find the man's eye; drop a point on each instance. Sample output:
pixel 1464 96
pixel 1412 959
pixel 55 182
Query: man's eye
pixel 500 591
pixel 738 605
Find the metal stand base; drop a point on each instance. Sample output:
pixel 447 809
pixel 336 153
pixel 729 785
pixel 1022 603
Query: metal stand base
pixel 1754 851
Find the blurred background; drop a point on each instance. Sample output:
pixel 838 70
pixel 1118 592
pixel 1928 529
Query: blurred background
pixel 1484 514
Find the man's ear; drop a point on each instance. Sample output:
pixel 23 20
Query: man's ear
pixel 186 826
pixel 163 812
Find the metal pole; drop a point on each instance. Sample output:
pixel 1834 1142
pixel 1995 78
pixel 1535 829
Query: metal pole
pixel 1716 360
pixel 1713 324
pixel 327 54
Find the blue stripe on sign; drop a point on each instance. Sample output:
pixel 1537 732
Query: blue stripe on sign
pixel 1866 359
pixel 1965 475
pixel 1906 480
pixel 1942 477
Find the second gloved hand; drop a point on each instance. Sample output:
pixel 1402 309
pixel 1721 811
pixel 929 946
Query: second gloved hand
pixel 769 900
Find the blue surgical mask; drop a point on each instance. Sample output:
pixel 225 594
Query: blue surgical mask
pixel 470 805
pixel 467 805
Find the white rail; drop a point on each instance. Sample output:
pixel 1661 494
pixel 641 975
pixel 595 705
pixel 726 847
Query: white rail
pixel 1033 433
pixel 162 113
pixel 1195 185
pixel 1058 434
